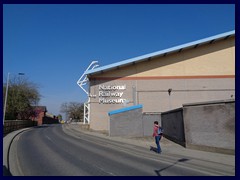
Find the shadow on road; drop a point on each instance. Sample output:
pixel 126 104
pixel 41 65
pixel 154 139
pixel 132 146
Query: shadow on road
pixel 158 172
pixel 6 172
pixel 43 126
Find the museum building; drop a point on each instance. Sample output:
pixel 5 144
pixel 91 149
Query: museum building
pixel 199 71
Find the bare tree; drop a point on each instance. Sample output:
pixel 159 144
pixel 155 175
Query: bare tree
pixel 73 110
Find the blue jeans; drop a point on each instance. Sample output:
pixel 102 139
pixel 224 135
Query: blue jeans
pixel 157 140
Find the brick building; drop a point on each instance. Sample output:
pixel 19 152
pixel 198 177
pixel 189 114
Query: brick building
pixel 40 112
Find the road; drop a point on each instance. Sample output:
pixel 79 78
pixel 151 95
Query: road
pixel 49 151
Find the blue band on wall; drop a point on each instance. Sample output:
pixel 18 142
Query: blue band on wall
pixel 124 109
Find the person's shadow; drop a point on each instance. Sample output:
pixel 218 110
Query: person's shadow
pixel 158 172
pixel 153 149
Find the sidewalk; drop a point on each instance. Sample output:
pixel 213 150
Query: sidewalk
pixel 167 146
pixel 7 140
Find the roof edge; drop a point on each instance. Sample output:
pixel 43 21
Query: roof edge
pixel 161 52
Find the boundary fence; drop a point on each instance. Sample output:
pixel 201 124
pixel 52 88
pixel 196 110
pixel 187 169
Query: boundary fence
pixel 13 125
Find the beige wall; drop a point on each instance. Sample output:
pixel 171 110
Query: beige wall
pixel 153 95
pixel 217 58
pixel 99 112
pixel 206 73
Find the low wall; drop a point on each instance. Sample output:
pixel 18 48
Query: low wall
pixel 126 122
pixel 210 126
pixel 132 122
pixel 13 125
pixel 49 120
pixel 148 120
pixel 172 123
pixel 206 126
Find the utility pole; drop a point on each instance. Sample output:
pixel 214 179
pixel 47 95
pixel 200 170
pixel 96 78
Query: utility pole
pixel 5 102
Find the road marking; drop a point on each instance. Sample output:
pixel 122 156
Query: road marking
pixel 49 138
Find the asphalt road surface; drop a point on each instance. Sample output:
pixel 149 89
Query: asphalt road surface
pixel 48 151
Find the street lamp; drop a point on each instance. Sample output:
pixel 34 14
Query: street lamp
pixel 6 94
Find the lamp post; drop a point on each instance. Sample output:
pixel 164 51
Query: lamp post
pixel 6 94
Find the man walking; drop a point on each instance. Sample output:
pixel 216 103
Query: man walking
pixel 157 136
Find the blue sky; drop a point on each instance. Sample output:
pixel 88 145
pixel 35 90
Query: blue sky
pixel 54 44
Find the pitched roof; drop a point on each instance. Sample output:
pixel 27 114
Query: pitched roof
pixel 160 53
pixel 41 108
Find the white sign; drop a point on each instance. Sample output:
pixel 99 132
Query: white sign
pixel 111 94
